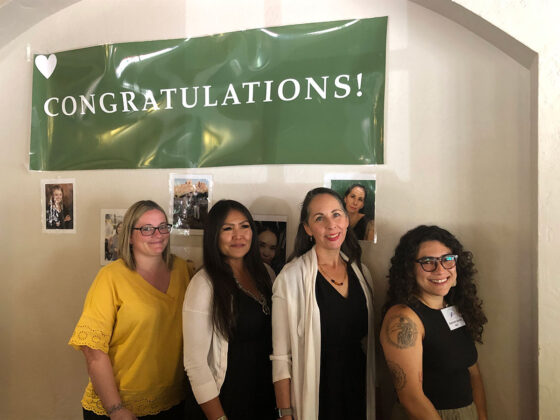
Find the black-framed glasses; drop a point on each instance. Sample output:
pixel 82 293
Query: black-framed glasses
pixel 149 230
pixel 430 264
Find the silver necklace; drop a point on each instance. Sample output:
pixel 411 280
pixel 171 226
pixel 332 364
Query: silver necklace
pixel 260 299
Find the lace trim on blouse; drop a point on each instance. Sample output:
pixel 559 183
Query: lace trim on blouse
pixel 84 335
pixel 138 405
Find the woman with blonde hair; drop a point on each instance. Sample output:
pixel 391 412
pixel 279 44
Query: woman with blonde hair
pixel 130 328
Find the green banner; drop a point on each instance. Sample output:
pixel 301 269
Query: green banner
pixel 311 93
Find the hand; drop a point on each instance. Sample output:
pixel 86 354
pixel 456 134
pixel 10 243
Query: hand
pixel 123 414
pixel 67 218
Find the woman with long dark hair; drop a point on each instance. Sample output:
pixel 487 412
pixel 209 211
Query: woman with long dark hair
pixel 432 318
pixel 354 201
pixel 322 320
pixel 226 322
pixel 130 328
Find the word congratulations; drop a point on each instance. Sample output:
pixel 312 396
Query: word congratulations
pixel 190 97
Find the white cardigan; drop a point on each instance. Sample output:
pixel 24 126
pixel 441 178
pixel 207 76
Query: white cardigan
pixel 205 350
pixel 296 334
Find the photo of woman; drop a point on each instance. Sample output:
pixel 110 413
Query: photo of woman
pixel 58 198
pixel 272 240
pixel 358 192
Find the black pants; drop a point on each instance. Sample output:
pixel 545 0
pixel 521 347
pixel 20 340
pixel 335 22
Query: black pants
pixel 174 413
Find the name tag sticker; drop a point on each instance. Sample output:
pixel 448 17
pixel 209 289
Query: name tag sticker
pixel 453 317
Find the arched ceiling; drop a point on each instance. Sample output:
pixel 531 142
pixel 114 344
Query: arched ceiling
pixel 16 16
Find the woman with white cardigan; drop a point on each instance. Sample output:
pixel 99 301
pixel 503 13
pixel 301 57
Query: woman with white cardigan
pixel 227 324
pixel 322 320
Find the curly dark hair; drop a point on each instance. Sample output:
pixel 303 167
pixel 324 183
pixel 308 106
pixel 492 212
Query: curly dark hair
pixel 402 281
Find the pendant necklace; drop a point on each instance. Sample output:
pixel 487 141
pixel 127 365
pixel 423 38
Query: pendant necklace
pixel 331 279
pixel 261 299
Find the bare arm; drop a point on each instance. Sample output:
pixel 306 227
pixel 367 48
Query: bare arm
pixel 479 396
pixel 100 371
pixel 401 338
pixel 213 409
pixel 282 391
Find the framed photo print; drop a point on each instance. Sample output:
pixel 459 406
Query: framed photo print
pixel 190 201
pixel 272 239
pixel 58 205
pixel 358 193
pixel 111 226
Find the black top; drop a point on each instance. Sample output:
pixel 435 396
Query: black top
pixel 247 392
pixel 55 218
pixel 360 228
pixel 344 323
pixel 446 357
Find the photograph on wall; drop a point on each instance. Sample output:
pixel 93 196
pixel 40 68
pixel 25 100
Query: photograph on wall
pixel 57 205
pixel 272 240
pixel 358 193
pixel 111 227
pixel 191 197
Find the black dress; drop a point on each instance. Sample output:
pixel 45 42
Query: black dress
pixel 247 392
pixel 344 323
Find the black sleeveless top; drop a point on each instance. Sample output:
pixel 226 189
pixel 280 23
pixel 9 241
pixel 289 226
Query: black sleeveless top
pixel 446 357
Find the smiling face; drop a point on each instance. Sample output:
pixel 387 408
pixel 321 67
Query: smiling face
pixel 267 246
pixel 355 200
pixel 432 287
pixel 327 222
pixel 235 236
pixel 57 196
pixel 149 245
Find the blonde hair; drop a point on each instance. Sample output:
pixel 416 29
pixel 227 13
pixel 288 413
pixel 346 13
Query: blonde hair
pixel 130 219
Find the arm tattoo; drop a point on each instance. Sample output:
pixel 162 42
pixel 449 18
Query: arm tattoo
pixel 399 377
pixel 401 332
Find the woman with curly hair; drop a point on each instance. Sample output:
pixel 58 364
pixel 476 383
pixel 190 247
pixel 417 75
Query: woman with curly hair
pixel 432 318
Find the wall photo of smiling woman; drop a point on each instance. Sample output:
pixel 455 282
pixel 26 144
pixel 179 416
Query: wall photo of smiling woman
pixel 358 193
pixel 57 201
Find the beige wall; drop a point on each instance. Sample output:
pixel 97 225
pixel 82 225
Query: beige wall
pixel 460 152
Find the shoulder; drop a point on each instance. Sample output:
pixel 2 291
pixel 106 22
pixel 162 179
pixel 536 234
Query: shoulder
pixel 200 283
pixel 199 294
pixel 291 279
pixel 401 327
pixel 180 265
pixel 113 271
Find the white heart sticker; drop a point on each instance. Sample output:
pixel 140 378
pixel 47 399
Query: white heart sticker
pixel 46 65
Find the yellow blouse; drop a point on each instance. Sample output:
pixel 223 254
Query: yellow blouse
pixel 139 327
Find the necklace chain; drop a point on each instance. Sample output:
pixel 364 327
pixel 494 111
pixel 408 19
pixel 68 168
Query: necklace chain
pixel 260 299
